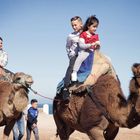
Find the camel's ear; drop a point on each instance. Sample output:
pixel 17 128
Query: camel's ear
pixel 136 69
pixel 16 77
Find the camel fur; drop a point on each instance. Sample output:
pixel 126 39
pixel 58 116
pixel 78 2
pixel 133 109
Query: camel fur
pixel 100 118
pixel 13 100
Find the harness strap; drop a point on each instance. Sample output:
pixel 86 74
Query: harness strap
pixel 98 104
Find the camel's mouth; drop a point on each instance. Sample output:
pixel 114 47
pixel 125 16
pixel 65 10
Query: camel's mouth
pixel 23 79
pixel 29 83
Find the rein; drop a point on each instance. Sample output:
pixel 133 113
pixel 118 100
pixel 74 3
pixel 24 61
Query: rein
pixel 36 93
pixel 98 104
pixel 29 88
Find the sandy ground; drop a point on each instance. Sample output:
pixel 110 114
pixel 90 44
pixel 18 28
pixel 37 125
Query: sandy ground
pixel 47 130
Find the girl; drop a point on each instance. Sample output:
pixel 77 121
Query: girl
pixel 88 41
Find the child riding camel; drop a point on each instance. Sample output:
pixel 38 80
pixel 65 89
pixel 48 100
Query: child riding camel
pixel 88 42
pixel 72 51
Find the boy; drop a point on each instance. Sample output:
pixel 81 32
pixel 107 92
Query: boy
pixel 32 120
pixel 72 51
pixel 3 59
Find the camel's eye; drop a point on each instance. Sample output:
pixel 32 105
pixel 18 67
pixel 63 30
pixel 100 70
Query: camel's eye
pixel 18 79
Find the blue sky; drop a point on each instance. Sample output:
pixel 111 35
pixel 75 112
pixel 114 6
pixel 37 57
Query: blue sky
pixel 35 32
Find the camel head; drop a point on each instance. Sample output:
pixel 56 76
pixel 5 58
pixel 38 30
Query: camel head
pixel 135 81
pixel 136 72
pixel 135 87
pixel 23 79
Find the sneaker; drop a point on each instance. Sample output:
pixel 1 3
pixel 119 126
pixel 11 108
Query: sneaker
pixel 66 95
pixel 74 76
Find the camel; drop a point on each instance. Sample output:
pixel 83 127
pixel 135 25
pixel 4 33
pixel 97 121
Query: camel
pixel 13 100
pixel 100 110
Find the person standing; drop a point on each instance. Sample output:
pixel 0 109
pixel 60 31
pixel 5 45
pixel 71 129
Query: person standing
pixel 19 128
pixel 32 120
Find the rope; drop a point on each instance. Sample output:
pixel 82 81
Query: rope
pixel 98 104
pixel 36 93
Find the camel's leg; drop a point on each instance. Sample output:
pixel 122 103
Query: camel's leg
pixel 63 130
pixel 64 133
pixel 96 133
pixel 8 129
pixel 111 132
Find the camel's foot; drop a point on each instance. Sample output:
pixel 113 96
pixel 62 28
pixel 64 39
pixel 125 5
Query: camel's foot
pixel 96 133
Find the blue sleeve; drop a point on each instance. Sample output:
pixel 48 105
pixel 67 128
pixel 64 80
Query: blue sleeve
pixel 32 116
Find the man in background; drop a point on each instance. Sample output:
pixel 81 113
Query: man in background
pixel 19 127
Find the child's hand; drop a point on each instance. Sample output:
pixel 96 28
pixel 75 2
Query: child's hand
pixel 97 43
pixel 96 47
pixel 92 47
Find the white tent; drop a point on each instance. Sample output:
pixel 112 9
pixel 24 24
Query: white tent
pixel 46 108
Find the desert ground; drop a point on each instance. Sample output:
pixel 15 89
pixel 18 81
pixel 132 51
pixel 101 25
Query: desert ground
pixel 47 131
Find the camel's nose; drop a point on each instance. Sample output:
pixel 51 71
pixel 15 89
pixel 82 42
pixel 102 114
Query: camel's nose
pixel 29 80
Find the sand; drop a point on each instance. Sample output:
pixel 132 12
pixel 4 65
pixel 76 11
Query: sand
pixel 47 130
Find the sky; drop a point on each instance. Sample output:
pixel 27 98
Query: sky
pixel 35 32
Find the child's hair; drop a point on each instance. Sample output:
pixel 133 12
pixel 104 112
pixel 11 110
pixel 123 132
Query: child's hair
pixel 76 18
pixel 1 39
pixel 91 20
pixel 33 101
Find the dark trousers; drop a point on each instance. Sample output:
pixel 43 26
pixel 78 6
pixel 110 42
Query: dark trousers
pixel 69 71
pixel 35 131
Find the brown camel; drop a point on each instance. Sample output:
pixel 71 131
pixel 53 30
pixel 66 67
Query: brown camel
pixel 101 110
pixel 13 100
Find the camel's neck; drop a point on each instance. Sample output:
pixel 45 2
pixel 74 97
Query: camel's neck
pixel 128 109
pixel 134 92
pixel 20 99
pixel 133 118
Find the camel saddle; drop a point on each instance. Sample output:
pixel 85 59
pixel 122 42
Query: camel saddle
pixel 101 66
pixel 5 75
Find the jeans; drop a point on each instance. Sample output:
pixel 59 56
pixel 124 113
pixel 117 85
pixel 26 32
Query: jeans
pixel 67 78
pixel 18 129
pixel 35 131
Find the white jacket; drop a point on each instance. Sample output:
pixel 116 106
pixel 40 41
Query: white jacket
pixel 3 58
pixel 72 44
